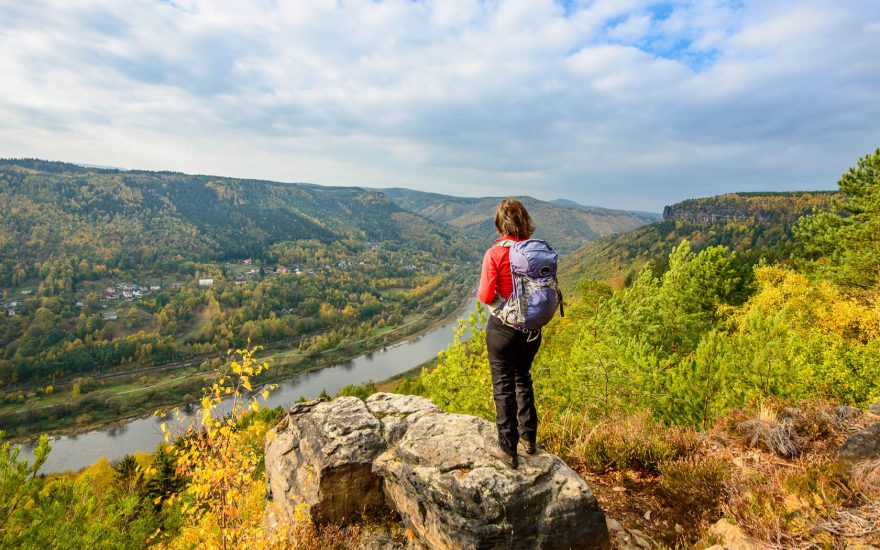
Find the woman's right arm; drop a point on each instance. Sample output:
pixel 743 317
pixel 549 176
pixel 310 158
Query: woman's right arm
pixel 488 279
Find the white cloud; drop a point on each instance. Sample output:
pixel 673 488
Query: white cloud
pixel 623 103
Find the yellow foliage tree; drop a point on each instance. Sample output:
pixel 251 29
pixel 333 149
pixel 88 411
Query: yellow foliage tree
pixel 223 501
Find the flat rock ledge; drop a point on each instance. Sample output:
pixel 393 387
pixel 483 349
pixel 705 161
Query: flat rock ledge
pixel 337 461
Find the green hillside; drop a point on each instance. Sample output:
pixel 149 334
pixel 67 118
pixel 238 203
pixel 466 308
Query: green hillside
pixel 565 224
pixel 754 225
pixel 119 219
pixel 119 288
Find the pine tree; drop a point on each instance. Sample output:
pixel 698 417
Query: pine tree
pixel 844 244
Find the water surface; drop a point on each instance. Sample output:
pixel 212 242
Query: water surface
pixel 73 452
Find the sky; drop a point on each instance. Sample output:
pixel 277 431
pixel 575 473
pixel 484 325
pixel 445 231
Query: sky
pixel 619 103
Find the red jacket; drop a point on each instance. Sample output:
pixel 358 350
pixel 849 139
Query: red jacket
pixel 495 276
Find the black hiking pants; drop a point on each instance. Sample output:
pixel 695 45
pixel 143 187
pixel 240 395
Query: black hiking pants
pixel 510 357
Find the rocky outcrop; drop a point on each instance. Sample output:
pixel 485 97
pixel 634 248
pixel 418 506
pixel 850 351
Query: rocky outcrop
pixel 862 445
pixel 761 208
pixel 319 461
pixel 711 214
pixel 432 469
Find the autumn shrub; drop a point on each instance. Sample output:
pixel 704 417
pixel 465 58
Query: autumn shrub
pixel 633 441
pixel 812 427
pixel 220 459
pixel 695 487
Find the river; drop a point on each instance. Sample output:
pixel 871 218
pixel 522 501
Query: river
pixel 73 452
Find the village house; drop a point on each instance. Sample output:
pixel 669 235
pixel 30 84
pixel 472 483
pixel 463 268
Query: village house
pixel 175 286
pixel 109 315
pixel 206 282
pixel 80 304
pixel 248 261
pixel 10 313
pixel 281 270
pixel 155 288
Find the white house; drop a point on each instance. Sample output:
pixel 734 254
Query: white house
pixel 206 282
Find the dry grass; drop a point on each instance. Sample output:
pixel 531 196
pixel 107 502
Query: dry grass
pixel 631 442
pixel 789 490
pixel 771 470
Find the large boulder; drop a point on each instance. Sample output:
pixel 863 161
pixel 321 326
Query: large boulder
pixel 433 470
pixel 455 495
pixel 319 461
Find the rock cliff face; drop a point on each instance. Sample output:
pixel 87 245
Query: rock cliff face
pixel 335 460
pixel 765 208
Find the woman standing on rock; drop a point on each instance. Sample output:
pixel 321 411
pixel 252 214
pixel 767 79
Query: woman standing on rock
pixel 513 333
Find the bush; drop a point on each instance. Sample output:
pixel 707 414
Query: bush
pixel 635 441
pixel 695 487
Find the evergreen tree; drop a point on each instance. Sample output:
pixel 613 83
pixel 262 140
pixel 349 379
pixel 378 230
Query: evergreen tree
pixel 844 244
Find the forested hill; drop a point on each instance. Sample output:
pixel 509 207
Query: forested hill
pixel 567 225
pixel 55 211
pixel 755 225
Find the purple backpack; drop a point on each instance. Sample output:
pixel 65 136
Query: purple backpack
pixel 536 293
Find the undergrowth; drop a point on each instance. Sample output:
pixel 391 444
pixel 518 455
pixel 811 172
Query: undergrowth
pixel 772 470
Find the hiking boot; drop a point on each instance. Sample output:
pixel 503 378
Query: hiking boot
pixel 530 447
pixel 495 450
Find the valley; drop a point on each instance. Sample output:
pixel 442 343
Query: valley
pixel 737 330
pixel 141 294
pixel 122 290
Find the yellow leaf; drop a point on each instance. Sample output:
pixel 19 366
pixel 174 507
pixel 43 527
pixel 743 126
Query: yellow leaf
pixel 265 395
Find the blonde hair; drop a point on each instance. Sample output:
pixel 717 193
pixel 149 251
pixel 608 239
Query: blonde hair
pixel 513 219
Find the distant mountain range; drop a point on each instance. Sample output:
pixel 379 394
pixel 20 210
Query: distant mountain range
pixel 755 225
pixel 54 211
pixel 566 224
